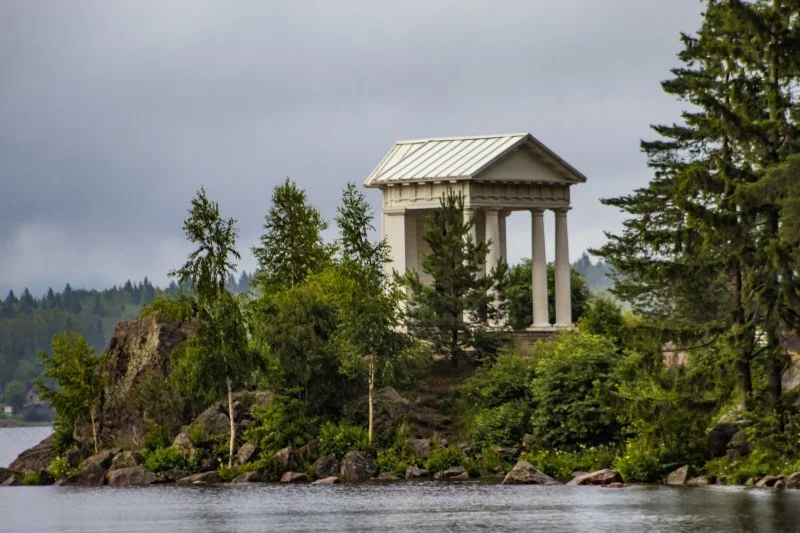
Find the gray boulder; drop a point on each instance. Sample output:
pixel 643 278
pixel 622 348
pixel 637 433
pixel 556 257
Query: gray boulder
pixel 11 481
pixel 524 473
pixel 452 473
pixel 215 421
pixel 331 480
pixel 793 481
pixel 203 478
pixel 325 466
pixel 102 459
pixel 701 481
pixel 295 477
pixel 247 453
pixel 284 460
pixel 358 466
pixel 605 476
pixel 129 476
pixel 75 456
pixel 126 459
pixel 415 472
pixel 92 475
pixel 173 475
pixel 249 477
pixel 183 444
pixel 6 473
pixel 420 448
pixel 768 481
pixel 37 458
pixel 678 476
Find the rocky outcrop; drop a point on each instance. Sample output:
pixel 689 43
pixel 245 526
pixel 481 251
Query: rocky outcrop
pixel 247 453
pixel 102 459
pixel 173 475
pixel 215 422
pixel 129 476
pixel 11 481
pixel 358 466
pixel 453 473
pixel 414 472
pixel 295 477
pixel 331 480
pixel 137 350
pixel 249 477
pixel 37 458
pixel 605 476
pixel 325 466
pixel 203 478
pixel 793 481
pixel 183 444
pixel 678 476
pixel 91 475
pixel 524 473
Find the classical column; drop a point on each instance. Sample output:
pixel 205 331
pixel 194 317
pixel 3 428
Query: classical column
pixel 563 296
pixel 539 271
pixel 493 235
pixel 394 231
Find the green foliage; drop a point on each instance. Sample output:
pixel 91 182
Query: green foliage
pixel 337 440
pixel 458 302
pixel 507 379
pixel 393 460
pixel 168 308
pixel 161 407
pixel 503 425
pixel 560 464
pixel 60 469
pixel 572 392
pixel 291 246
pixel 641 462
pixel 160 460
pixel 443 458
pixel 36 478
pixel 602 316
pixel 281 423
pixel 71 384
pixel 517 288
pixel 14 394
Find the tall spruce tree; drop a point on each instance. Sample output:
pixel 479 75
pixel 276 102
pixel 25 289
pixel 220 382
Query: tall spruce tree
pixel 460 302
pixel 292 244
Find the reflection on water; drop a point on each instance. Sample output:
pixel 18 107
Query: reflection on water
pixel 398 507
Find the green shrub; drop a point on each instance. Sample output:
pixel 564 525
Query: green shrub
pixel 503 425
pixel 560 464
pixel 281 423
pixel 60 469
pixel 338 440
pixel 506 380
pixel 394 461
pixel 197 435
pixel 160 460
pixel 640 463
pixel 443 458
pixel 36 478
pixel 485 463
pixel 572 391
pixel 229 473
pixel 170 309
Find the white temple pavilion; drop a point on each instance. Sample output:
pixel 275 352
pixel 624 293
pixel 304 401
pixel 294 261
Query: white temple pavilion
pixel 496 174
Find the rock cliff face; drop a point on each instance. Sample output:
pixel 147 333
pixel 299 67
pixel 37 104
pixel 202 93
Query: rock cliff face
pixel 137 349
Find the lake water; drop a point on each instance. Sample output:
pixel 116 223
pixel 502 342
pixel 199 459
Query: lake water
pixel 395 507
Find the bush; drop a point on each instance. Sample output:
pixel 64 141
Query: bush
pixel 560 464
pixel 160 460
pixel 60 469
pixel 394 461
pixel 281 423
pixel 503 425
pixel 338 440
pixel 572 391
pixel 36 478
pixel 508 379
pixel 443 458
pixel 170 309
pixel 640 463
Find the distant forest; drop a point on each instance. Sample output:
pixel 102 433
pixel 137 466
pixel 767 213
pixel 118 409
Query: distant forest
pixel 27 324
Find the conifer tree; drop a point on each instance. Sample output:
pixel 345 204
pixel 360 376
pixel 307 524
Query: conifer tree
pixel 458 303
pixel 291 245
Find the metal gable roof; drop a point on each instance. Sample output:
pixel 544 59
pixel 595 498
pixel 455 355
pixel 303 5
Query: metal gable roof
pixel 453 158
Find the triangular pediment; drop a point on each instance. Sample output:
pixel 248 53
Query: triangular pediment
pixel 524 165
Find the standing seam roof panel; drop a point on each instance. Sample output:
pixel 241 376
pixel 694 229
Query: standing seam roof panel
pixel 414 168
pixel 477 155
pixel 429 170
pixel 405 166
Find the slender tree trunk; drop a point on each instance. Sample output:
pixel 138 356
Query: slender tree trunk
pixel 94 429
pixel 233 425
pixel 371 397
pixel 742 350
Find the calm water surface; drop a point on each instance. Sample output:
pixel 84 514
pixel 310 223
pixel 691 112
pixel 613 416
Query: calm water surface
pixel 396 507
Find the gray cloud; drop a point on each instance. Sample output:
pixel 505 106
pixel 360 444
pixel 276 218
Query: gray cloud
pixel 112 114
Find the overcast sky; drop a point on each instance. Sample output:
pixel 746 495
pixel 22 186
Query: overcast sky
pixel 113 113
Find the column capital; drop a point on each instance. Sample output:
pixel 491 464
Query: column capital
pixel 537 210
pixel 561 210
